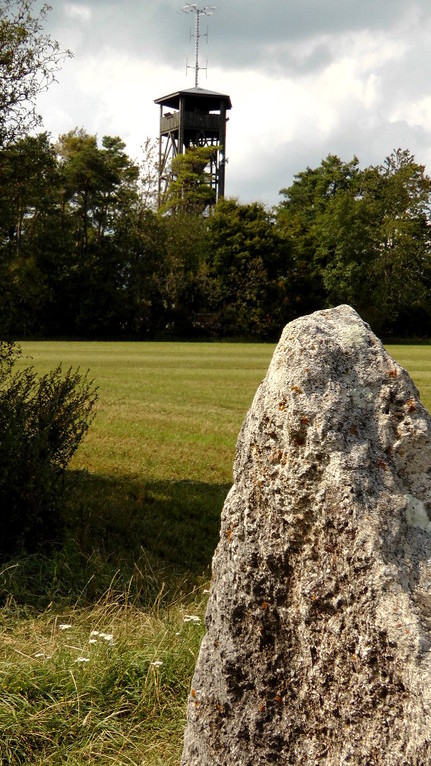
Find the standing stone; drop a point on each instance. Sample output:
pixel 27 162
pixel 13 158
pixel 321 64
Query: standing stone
pixel 318 643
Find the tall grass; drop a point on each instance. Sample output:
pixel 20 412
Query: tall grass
pixel 98 641
pixel 104 684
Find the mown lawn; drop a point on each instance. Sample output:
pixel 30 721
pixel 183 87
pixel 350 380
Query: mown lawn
pixel 98 641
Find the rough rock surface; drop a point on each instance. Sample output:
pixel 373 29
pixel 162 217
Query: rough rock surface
pixel 318 643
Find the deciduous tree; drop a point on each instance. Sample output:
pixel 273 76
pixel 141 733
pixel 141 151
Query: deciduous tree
pixel 363 237
pixel 29 60
pixel 249 264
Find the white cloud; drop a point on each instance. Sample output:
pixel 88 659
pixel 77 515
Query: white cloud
pixel 79 12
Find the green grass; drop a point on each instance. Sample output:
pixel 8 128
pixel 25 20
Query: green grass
pixel 417 360
pixel 143 504
pixel 147 485
pixel 142 510
pixel 169 411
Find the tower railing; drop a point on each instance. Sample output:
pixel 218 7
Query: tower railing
pixel 191 120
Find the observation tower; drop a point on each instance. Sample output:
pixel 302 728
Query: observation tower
pixel 191 118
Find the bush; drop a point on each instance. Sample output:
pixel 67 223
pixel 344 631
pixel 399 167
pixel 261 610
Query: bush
pixel 42 422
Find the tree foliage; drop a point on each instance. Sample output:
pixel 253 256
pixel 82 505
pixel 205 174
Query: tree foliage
pixel 190 190
pixel 83 253
pixel 29 59
pixel 363 237
pixel 249 263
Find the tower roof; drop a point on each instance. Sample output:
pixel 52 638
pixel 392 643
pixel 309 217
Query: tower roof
pixel 197 94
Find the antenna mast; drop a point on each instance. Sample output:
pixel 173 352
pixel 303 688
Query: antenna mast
pixel 206 10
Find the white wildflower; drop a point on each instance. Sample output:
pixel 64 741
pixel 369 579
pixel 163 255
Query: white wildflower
pixel 96 634
pixel 82 659
pixel 156 663
pixel 107 637
pixel 64 626
pixel 191 618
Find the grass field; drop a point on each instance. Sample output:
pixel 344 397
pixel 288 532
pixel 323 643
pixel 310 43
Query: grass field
pixel 98 642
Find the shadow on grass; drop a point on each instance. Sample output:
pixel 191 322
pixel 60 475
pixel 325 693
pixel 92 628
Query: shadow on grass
pixel 146 541
pixel 175 522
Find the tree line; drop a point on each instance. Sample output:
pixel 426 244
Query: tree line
pixel 85 254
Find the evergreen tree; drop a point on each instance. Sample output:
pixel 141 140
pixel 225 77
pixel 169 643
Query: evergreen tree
pixel 190 190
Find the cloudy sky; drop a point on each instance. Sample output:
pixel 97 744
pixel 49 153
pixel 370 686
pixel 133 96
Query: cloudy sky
pixel 306 78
